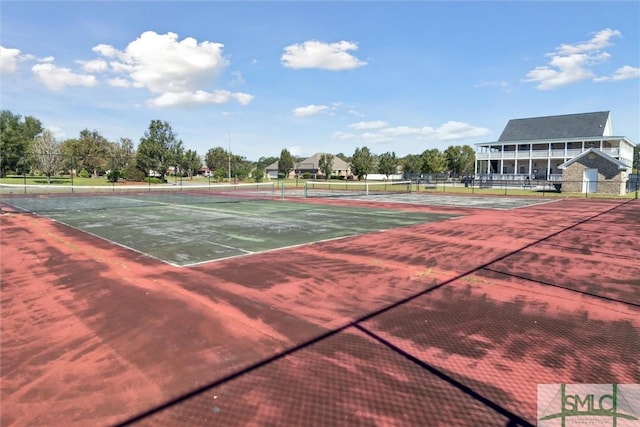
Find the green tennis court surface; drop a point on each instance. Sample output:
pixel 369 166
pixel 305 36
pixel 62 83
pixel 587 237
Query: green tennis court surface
pixel 190 234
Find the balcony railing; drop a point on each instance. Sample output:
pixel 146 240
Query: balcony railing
pixel 555 153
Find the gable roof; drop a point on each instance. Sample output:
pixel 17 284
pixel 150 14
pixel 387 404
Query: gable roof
pixel 553 127
pixel 338 163
pixel 621 166
pixel 273 166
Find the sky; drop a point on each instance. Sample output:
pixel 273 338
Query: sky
pixel 258 77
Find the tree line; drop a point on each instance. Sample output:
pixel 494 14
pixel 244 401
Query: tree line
pixel 456 160
pixel 27 148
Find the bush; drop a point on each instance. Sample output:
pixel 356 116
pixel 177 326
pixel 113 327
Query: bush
pixel 84 173
pixel 114 175
pixel 306 175
pixel 153 180
pixel 132 173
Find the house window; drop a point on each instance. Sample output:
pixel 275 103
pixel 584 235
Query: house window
pixel 522 170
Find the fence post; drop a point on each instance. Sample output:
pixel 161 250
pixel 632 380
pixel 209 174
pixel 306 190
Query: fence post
pixel 24 175
pixel 637 172
pixel 586 188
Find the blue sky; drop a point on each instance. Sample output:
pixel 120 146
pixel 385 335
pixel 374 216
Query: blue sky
pixel 318 76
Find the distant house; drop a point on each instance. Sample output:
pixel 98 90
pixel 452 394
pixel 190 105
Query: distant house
pixel 535 148
pixel 271 171
pixel 311 166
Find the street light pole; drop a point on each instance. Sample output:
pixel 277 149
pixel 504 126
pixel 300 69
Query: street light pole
pixel 229 136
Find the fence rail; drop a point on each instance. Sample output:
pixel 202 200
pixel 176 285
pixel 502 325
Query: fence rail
pixel 532 187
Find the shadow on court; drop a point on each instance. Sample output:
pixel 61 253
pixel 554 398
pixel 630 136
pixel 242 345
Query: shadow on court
pixel 442 323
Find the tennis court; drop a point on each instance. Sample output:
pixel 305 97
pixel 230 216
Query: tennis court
pixel 200 224
pixel 449 322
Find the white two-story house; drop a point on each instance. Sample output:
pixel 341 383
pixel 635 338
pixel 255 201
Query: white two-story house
pixel 535 147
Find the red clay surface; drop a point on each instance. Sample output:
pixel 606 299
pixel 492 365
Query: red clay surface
pixel 450 323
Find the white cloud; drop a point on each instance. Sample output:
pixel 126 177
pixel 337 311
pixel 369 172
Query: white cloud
pixel 375 138
pixel 344 135
pixel 599 41
pixel 94 66
pixel 450 130
pixel 161 63
pixel 402 131
pixel 309 110
pixel 458 130
pixel 8 59
pixel 571 63
pixel 105 50
pixel 375 124
pixel 57 78
pixel 623 73
pixel 119 82
pixel 199 97
pixel 316 54
pixel 57 132
pixel 179 72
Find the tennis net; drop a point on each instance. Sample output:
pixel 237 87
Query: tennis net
pixel 355 188
pixel 58 198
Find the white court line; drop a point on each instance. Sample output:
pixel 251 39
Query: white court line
pixel 237 249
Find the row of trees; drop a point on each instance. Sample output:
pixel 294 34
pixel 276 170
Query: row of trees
pixel 458 160
pixel 25 147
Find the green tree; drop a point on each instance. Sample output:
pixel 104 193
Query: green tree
pixel 361 163
pixel 45 155
pixel 16 136
pixel 636 159
pixel 343 157
pixel 240 167
pixel 433 161
pixel 387 164
pixel 119 157
pixel 158 149
pixel 217 160
pixel 178 160
pixel 411 164
pixel 325 164
pixel 93 150
pixel 460 159
pixel 286 163
pixel 266 161
pixel 191 163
